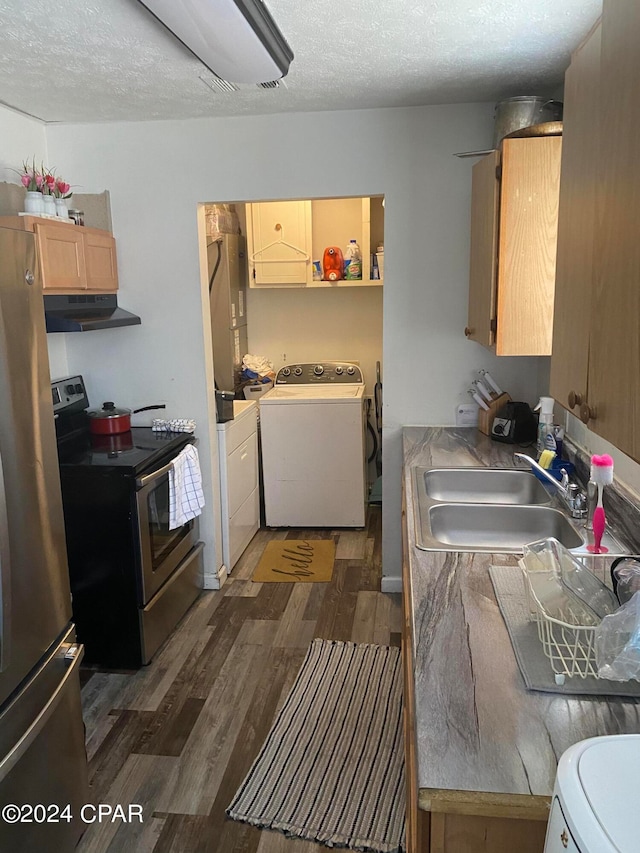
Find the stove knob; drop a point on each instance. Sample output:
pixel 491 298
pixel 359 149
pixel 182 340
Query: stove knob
pixel 70 389
pixel 297 371
pixel 286 371
pixel 78 388
pixel 339 370
pixel 318 370
pixel 351 370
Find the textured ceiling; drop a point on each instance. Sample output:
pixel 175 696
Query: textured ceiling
pixel 107 60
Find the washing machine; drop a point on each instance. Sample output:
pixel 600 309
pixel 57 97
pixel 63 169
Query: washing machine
pixel 312 426
pixel 596 799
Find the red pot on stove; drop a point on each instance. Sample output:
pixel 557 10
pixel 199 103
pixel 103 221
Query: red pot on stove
pixel 110 420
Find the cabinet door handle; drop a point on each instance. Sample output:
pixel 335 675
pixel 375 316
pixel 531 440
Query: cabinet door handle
pixel 467 332
pixel 587 413
pixel 575 399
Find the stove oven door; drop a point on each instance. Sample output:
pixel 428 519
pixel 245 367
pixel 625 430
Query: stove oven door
pixel 162 550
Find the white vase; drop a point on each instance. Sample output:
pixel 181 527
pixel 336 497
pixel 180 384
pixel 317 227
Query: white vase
pixel 61 208
pixel 33 203
pixel 49 205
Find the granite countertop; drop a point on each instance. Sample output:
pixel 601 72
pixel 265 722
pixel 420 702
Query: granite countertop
pixel 481 736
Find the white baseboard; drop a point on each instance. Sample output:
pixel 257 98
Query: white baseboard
pixel 216 581
pixel 391 583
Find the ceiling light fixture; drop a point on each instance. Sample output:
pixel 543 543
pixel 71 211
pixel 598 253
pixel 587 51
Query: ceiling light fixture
pixel 237 40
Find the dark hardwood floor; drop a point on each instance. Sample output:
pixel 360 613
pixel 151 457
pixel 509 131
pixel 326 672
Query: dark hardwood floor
pixel 179 736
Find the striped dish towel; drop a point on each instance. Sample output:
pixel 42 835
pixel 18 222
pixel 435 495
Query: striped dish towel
pixel 185 488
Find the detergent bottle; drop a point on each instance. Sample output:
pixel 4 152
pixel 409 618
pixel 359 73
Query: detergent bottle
pixel 353 262
pixel 333 264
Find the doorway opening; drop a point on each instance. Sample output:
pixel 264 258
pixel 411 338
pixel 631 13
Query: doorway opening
pixel 274 303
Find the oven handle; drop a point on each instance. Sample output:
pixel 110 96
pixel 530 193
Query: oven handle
pixel 141 482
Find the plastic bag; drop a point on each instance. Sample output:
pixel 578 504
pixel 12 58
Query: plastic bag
pixel 221 219
pixel 617 643
pixel 625 575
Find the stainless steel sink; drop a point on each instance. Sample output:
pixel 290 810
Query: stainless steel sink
pixel 496 528
pixel 494 510
pixel 482 485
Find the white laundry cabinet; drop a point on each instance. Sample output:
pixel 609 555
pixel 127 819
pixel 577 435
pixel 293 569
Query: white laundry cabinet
pixel 238 453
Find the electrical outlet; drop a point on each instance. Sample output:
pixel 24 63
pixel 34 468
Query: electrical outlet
pixel 467 415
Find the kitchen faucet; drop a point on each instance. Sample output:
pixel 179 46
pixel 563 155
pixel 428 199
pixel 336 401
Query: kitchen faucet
pixel 572 495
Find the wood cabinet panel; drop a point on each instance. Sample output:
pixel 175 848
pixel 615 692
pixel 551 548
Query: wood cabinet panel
pixel 576 224
pixel 614 353
pixel 62 257
pixel 485 200
pixel 513 246
pixel 470 834
pixel 527 245
pixel 100 260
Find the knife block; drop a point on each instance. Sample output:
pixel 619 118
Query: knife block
pixel 485 418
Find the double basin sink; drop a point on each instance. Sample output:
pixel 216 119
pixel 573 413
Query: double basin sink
pixel 495 510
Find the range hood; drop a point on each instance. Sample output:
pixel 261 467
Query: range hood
pixel 236 39
pixel 84 313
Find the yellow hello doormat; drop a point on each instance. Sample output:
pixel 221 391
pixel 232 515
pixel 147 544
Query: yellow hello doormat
pixel 306 560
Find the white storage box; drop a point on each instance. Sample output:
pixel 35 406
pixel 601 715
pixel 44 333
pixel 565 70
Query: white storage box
pixel 254 392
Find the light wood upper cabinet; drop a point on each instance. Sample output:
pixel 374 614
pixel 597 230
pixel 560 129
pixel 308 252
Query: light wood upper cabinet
pixel 614 351
pixel 73 259
pixel 576 226
pixel 100 260
pixel 596 347
pixel 511 299
pixel 62 258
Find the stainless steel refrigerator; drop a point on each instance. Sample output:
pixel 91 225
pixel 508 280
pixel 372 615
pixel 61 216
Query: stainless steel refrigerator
pixel 42 752
pixel 227 261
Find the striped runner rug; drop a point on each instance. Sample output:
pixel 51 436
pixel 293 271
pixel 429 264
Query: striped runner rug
pixel 332 767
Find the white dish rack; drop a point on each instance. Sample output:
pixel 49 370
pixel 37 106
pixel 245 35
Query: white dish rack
pixel 568 603
pixel 566 625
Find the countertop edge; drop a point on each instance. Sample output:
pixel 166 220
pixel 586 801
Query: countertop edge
pixel 486 804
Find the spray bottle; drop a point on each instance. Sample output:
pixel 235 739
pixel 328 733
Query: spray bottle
pixel 546 438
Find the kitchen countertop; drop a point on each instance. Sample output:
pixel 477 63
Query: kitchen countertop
pixel 484 742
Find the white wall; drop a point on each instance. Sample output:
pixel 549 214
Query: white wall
pixel 290 325
pixel 23 138
pixel 157 172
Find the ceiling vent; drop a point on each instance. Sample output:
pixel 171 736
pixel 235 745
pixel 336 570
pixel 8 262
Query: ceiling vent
pixel 224 87
pixel 219 85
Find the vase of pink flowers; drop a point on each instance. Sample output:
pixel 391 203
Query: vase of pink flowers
pixel 46 194
pixel 31 180
pixel 62 192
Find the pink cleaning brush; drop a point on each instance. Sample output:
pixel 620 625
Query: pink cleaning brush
pixel 601 475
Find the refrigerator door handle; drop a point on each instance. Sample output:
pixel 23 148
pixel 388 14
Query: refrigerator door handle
pixel 73 653
pixel 5 578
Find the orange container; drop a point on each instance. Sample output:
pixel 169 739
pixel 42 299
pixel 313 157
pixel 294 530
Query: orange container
pixel 333 264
